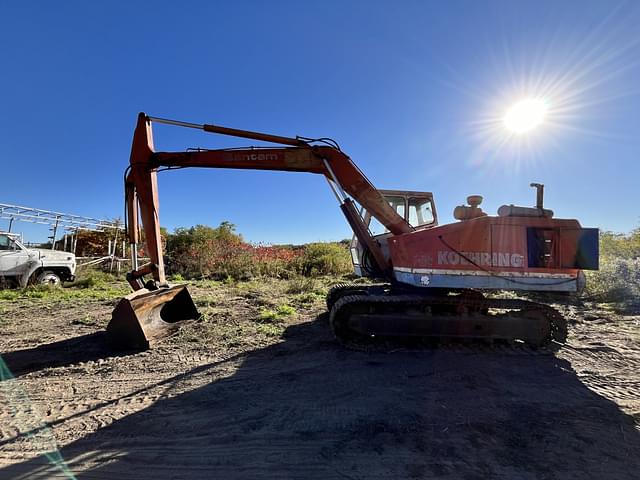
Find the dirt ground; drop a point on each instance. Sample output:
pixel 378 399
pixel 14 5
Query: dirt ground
pixel 247 394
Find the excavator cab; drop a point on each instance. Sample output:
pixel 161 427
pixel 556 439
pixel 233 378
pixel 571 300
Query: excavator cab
pixel 417 208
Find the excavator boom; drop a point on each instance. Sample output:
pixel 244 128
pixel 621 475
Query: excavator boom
pixel 301 156
pixel 141 193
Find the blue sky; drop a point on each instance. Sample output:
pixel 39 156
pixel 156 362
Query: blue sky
pixel 414 92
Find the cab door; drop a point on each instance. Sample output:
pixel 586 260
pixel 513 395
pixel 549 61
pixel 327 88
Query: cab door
pixel 14 261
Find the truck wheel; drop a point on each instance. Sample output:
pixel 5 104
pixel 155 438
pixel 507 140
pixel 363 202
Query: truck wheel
pixel 48 278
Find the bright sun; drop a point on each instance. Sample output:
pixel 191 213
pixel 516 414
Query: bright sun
pixel 525 115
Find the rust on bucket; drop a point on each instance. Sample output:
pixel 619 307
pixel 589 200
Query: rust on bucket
pixel 144 317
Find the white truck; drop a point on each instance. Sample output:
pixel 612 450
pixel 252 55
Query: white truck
pixel 21 266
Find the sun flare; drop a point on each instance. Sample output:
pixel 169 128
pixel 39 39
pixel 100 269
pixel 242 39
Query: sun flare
pixel 525 115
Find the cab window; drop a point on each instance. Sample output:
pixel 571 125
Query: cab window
pixel 420 211
pixel 6 243
pixel 397 203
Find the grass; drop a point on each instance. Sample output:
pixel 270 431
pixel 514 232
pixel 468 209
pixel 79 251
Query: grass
pixel 210 284
pixel 234 313
pixel 270 330
pixel 252 313
pixel 90 285
pixel 302 285
pixel 307 299
pixel 87 320
pixel 277 315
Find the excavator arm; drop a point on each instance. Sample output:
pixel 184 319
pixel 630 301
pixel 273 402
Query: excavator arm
pixel 155 309
pixel 345 179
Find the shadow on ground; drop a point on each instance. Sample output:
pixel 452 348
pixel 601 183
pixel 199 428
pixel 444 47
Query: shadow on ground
pixel 85 348
pixel 306 408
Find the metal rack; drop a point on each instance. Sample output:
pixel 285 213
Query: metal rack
pixel 57 220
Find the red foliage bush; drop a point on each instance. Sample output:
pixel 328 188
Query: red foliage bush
pixel 216 258
pixel 205 252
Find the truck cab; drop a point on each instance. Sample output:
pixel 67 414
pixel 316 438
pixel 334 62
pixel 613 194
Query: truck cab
pixel 20 265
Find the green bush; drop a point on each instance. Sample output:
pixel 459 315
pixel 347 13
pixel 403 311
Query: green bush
pixel 324 259
pixel 184 238
pixel 203 252
pixel 620 245
pixel 618 279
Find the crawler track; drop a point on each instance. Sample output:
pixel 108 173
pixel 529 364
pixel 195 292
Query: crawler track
pixel 361 315
pixel 343 289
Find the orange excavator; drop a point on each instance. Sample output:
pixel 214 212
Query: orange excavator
pixel 434 278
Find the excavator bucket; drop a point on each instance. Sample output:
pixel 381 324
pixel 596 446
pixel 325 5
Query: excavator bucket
pixel 144 317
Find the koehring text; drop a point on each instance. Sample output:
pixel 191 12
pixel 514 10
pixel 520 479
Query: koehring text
pixel 495 259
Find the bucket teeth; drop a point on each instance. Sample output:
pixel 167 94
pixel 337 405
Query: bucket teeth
pixel 143 318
